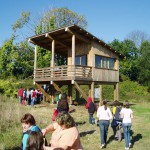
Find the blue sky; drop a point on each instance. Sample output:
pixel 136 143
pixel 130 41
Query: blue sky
pixel 107 19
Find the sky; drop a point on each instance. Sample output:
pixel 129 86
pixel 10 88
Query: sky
pixel 107 19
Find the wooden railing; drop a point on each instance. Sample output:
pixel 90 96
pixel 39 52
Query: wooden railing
pixel 63 71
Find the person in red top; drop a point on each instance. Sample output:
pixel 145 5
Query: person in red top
pixel 91 109
pixel 20 95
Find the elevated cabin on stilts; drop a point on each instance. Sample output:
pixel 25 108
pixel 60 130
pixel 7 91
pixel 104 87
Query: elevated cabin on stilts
pixel 89 61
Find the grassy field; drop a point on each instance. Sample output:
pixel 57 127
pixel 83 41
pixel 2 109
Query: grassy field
pixel 11 131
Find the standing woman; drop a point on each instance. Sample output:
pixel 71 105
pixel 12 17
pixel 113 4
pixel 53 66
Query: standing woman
pixel 126 115
pixel 104 114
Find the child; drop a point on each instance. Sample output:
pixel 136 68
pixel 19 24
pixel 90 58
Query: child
pixel 117 121
pixel 35 141
pixel 91 109
pixel 126 115
pixel 28 125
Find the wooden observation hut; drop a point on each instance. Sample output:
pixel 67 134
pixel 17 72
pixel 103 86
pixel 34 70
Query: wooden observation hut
pixel 90 61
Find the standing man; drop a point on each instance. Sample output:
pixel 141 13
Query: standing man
pixel 20 95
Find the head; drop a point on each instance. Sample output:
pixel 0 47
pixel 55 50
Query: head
pixel 64 96
pixel 27 121
pixel 116 103
pixel 105 104
pixel 65 119
pixel 35 141
pixel 89 99
pixel 126 104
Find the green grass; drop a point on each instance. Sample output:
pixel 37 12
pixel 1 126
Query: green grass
pixel 11 131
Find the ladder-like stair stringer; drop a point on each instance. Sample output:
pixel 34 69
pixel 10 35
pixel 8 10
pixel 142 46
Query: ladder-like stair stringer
pixel 80 91
pixel 44 93
pixel 57 87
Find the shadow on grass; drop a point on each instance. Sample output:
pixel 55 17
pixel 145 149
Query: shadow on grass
pixel 111 138
pixel 14 148
pixel 82 134
pixel 136 138
pixel 72 110
pixel 80 123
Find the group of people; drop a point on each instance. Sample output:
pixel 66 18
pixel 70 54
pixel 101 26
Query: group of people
pixel 120 116
pixel 30 96
pixel 65 133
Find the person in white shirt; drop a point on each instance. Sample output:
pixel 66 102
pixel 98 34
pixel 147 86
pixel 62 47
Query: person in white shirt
pixel 126 114
pixel 104 114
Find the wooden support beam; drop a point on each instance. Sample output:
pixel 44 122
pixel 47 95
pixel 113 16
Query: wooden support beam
pixel 73 50
pixel 80 91
pixel 44 93
pixel 92 91
pixel 116 92
pixel 31 41
pixel 53 53
pixel 70 93
pixel 52 38
pixel 57 87
pixel 77 35
pixel 101 96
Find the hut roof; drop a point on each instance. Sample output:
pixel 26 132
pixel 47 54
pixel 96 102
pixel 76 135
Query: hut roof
pixel 63 39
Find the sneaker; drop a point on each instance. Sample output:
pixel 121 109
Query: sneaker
pixel 103 146
pixel 130 145
pixel 126 148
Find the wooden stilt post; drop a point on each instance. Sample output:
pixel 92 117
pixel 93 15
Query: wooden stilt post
pixel 89 90
pixel 101 96
pixel 92 91
pixel 70 93
pixel 116 91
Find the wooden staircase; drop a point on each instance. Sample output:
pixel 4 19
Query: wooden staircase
pixel 80 91
pixel 44 93
pixel 57 87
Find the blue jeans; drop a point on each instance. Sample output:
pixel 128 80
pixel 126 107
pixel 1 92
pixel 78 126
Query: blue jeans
pixel 126 130
pixel 33 100
pixel 104 124
pixel 20 99
pixel 90 118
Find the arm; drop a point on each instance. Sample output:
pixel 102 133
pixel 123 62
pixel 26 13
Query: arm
pixel 48 129
pixel 131 114
pixel 47 148
pixel 56 148
pixel 110 114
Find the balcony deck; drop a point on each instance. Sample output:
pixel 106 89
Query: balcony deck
pixel 63 73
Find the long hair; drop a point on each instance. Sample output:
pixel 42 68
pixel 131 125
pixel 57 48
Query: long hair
pixel 35 141
pixel 28 118
pixel 126 104
pixel 105 104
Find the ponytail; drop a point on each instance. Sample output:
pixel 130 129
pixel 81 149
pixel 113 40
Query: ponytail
pixel 105 104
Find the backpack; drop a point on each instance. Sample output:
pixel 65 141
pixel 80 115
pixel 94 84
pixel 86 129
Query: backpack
pixel 117 114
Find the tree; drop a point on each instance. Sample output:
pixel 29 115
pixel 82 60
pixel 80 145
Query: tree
pixel 128 65
pixel 138 37
pixel 54 19
pixel 10 51
pixel 144 63
pixel 58 18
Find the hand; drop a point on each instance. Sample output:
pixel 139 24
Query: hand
pixel 44 131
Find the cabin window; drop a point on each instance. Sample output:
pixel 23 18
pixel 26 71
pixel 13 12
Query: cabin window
pixel 111 63
pixel 81 60
pixel 98 60
pixel 104 62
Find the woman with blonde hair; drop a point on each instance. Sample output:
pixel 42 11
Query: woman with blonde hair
pixel 104 114
pixel 126 114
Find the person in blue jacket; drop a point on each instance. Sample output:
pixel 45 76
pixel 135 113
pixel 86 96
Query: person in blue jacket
pixel 28 125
